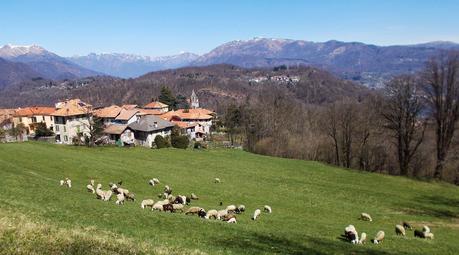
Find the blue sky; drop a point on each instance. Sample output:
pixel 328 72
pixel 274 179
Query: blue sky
pixel 159 28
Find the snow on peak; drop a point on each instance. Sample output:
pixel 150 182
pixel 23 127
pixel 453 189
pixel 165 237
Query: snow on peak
pixel 11 50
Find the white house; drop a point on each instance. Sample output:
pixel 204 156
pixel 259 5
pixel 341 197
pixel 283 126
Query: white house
pixel 147 127
pixel 71 119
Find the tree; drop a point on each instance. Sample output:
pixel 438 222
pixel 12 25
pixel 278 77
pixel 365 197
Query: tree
pixel 96 128
pixel 331 128
pixel 42 131
pixel 161 142
pixel 441 86
pixel 232 121
pixel 166 97
pixel 401 112
pixel 18 131
pixel 177 140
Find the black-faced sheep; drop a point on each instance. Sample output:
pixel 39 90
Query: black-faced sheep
pixel 256 214
pixel 425 229
pixel 351 234
pixel 240 209
pixel 202 213
pixel 168 207
pixel 159 205
pixel 379 237
pixel 407 225
pixel 147 203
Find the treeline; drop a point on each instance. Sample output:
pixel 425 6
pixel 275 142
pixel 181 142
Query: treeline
pixel 408 128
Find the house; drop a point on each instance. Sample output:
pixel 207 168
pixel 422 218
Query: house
pixel 31 116
pixel 120 133
pixel 197 122
pixel 71 119
pixel 6 118
pixel 127 117
pixel 147 127
pixel 156 105
pixel 108 114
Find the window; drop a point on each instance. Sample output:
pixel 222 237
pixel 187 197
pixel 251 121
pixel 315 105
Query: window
pixel 34 119
pixel 20 119
pixel 66 139
pixel 65 129
pixel 57 128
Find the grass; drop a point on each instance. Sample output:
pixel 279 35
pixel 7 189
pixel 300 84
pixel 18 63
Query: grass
pixel 312 203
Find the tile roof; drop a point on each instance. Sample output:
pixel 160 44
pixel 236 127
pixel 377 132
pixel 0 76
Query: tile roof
pixel 129 106
pixel 108 112
pixel 149 123
pixel 183 124
pixel 6 114
pixel 72 107
pixel 155 105
pixel 190 114
pixel 115 129
pixel 150 112
pixel 126 114
pixel 34 111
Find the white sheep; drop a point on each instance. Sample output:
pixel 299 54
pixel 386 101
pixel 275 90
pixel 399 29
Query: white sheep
pixel 147 203
pixel 90 188
pixel 211 214
pixel 120 198
pixel 69 183
pixel 92 182
pixel 232 220
pixel 268 209
pixel 178 207
pixel 379 237
pixel 108 194
pixel 155 180
pixel 217 180
pixel 167 189
pixel 351 233
pixel 62 182
pixel 151 182
pixel 159 205
pixel 99 192
pixel 363 238
pixel 366 217
pixel 256 214
pixel 400 230
pixel 231 208
pixel 428 235
pixel 193 210
pixel 425 229
pixel 194 197
pixel 221 214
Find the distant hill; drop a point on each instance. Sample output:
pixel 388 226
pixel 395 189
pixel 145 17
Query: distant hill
pixel 45 63
pixel 11 72
pixel 130 66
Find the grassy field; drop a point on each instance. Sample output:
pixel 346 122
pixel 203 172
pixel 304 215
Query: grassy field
pixel 312 203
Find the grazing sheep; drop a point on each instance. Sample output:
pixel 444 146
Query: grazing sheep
pixel 69 183
pixel 366 217
pixel 167 190
pixel 407 225
pixel 240 209
pixel 171 198
pixel 180 200
pixel 363 238
pixel 193 210
pixel 155 180
pixel 159 205
pixel 211 214
pixel 221 214
pixel 100 194
pixel 147 203
pixel 256 214
pixel 90 188
pixel 108 194
pixel 91 182
pixel 232 220
pixel 429 235
pixel 62 182
pixel 202 213
pixel 120 199
pixel 228 217
pixel 178 207
pixel 168 207
pixel 351 234
pixel 194 197
pixel 379 237
pixel 217 180
pixel 151 182
pixel 425 229
pixel 231 208
pixel 268 209
pixel 130 196
pixel 422 234
pixel 400 230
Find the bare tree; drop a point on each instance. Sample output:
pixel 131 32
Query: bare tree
pixel 442 93
pixel 331 127
pixel 401 112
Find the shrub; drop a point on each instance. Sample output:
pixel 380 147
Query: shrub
pixel 180 142
pixel 161 142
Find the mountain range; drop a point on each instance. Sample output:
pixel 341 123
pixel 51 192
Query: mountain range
pixel 367 64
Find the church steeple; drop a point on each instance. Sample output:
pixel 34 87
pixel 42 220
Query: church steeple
pixel 194 100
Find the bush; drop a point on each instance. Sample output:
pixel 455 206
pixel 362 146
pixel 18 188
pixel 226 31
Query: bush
pixel 180 142
pixel 161 142
pixel 199 145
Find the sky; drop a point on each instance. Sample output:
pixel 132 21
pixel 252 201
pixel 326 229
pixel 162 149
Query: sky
pixel 158 28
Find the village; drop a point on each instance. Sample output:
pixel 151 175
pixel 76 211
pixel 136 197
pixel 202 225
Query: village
pixel 70 121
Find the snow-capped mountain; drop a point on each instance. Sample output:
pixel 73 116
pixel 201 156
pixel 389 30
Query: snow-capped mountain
pixel 45 63
pixel 129 65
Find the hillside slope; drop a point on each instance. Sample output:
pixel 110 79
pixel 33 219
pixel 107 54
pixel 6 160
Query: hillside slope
pixel 312 203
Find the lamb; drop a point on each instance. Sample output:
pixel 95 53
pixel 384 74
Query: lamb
pixel 193 210
pixel 379 237
pixel 211 214
pixel 400 230
pixel 366 217
pixel 177 207
pixel 217 180
pixel 363 238
pixel 240 209
pixel 232 220
pixel 221 214
pixel 168 207
pixel 256 214
pixel 69 183
pixel 268 209
pixel 120 199
pixel 147 203
pixel 194 197
pixel 90 188
pixel 231 208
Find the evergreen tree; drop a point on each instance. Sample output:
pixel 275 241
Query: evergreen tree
pixel 166 97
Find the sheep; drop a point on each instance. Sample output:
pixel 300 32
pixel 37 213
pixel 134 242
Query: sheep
pixel 221 214
pixel 167 189
pixel 100 194
pixel 171 198
pixel 217 180
pixel 178 207
pixel 69 183
pixel 90 188
pixel 363 238
pixel 159 205
pixel 268 209
pixel 194 197
pixel 120 199
pixel 155 180
pixel 130 196
pixel 202 213
pixel 151 182
pixel 351 234
pixel 400 230
pixel 91 182
pixel 108 195
pixel 147 203
pixel 232 220
pixel 62 182
pixel 429 235
pixel 211 214
pixel 240 209
pixel 425 229
pixel 168 207
pixel 231 208
pixel 256 214
pixel 193 210
pixel 228 217
pixel 407 225
pixel 366 217
pixel 379 237
pixel 180 200
pixel 422 234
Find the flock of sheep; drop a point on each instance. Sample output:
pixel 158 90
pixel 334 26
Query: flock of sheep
pixel 168 202
pixel 351 234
